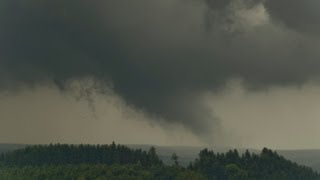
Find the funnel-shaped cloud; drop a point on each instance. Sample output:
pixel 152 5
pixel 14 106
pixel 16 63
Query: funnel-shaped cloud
pixel 160 56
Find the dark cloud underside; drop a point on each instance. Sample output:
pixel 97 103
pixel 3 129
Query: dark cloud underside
pixel 159 55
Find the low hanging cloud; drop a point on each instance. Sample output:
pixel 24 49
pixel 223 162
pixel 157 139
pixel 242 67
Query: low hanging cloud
pixel 159 56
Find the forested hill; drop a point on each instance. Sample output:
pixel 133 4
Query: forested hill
pixel 310 158
pixel 61 154
pixel 120 162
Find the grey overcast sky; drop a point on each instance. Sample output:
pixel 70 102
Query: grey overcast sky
pixel 240 73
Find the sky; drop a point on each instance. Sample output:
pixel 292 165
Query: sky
pixel 233 73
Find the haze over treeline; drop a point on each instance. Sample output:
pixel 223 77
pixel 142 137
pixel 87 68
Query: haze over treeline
pixel 172 63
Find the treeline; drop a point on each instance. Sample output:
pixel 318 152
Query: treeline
pixel 63 154
pixel 120 162
pixel 266 165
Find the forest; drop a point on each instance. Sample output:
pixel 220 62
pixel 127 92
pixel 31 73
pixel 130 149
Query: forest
pixel 99 162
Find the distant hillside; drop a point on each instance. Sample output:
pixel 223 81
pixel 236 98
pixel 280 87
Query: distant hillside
pixel 309 158
pixel 10 147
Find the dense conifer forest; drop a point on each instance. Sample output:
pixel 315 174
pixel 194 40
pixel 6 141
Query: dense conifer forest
pixel 79 162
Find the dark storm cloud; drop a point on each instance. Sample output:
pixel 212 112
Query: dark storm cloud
pixel 159 55
pixel 300 15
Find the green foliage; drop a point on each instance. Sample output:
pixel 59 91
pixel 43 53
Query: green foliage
pixel 267 165
pixel 115 162
pixel 76 172
pixel 175 158
pixel 233 172
pixel 82 154
pixel 97 172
